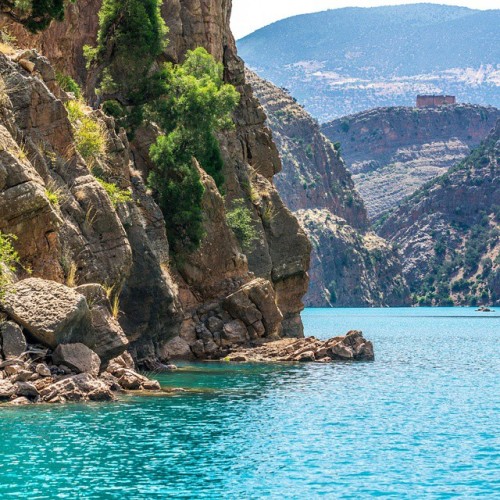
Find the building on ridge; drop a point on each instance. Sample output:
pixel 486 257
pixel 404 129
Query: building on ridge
pixel 433 101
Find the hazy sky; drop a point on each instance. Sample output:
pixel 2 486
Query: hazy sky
pixel 249 15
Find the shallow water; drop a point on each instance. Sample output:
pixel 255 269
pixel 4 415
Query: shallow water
pixel 422 421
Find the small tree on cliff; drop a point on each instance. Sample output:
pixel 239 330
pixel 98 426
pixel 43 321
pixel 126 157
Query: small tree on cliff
pixel 132 34
pixel 189 102
pixel 35 15
pixel 196 105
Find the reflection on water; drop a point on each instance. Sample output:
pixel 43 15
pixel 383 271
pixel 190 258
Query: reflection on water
pixel 419 422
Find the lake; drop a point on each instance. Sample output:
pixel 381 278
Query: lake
pixel 421 421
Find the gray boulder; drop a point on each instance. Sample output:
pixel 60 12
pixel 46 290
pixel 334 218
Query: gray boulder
pixel 53 313
pixel 78 357
pixel 13 340
pixel 235 332
pixel 109 339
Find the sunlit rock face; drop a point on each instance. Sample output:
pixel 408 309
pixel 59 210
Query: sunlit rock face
pixel 159 301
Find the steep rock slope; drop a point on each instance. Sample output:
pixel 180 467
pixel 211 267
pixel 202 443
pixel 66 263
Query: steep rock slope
pixel 343 61
pixel 449 231
pixel 350 265
pixel 391 152
pixel 217 296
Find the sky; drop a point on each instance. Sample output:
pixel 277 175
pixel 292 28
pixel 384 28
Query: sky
pixel 250 15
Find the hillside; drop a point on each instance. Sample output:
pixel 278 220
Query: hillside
pixel 350 265
pixel 340 62
pixel 391 152
pixel 448 232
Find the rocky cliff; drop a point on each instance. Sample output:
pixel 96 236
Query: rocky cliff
pixel 350 265
pixel 449 231
pixel 69 230
pixel 391 152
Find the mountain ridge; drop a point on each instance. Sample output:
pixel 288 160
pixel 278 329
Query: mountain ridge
pixel 339 61
pixel 393 151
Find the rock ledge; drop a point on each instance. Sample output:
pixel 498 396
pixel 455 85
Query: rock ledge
pixel 351 347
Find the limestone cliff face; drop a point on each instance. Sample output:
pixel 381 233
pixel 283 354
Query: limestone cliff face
pixel 391 152
pixel 67 228
pixel 166 311
pixel 350 265
pixel 448 232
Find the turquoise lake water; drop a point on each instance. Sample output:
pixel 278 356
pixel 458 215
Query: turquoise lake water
pixel 422 421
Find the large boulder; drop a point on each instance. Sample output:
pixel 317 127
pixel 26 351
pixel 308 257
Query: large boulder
pixel 53 313
pixel 80 387
pixel 78 357
pixel 177 348
pixel 12 338
pixel 235 333
pixel 109 339
pixel 255 304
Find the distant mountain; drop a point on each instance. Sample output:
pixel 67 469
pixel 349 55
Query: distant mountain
pixel 342 61
pixel 350 264
pixel 391 152
pixel 449 232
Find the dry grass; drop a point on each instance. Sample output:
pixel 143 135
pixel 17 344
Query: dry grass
pixel 7 49
pixel 90 216
pixel 269 213
pixel 108 290
pixel 115 306
pixel 71 277
pixel 4 97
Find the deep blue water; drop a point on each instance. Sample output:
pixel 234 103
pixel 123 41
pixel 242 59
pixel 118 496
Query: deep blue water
pixel 422 421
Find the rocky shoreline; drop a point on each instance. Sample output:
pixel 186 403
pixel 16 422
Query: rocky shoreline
pixel 350 347
pixel 26 380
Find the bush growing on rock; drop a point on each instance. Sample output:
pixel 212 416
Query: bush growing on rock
pixel 90 136
pixel 197 104
pixel 8 260
pixel 239 219
pixel 35 15
pixel 116 195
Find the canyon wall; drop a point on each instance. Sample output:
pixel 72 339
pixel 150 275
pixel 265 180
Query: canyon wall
pixel 212 298
pixel 350 265
pixel 448 232
pixel 391 152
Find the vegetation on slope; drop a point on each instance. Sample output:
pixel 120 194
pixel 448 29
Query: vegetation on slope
pixel 189 102
pixel 8 259
pixel 35 15
pixel 449 232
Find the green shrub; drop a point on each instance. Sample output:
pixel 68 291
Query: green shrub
pixel 179 192
pixel 8 260
pixel 113 108
pixel 52 196
pixel 35 15
pixel 90 135
pixel 239 219
pixel 116 195
pixel 197 104
pixel 90 139
pixel 68 84
pixel 132 34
